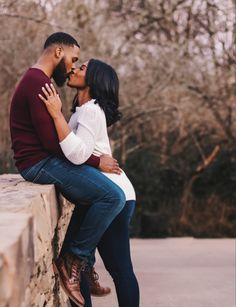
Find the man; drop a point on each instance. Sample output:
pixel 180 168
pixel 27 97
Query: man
pixel 39 159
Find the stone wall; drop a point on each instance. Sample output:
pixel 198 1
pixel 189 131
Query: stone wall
pixel 33 221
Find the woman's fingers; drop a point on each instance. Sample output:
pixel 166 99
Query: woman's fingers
pixel 42 98
pixel 53 89
pixel 49 89
pixel 46 93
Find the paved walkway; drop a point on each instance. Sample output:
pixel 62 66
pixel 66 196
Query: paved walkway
pixel 181 272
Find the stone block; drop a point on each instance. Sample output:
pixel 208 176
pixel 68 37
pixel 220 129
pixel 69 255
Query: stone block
pixel 33 222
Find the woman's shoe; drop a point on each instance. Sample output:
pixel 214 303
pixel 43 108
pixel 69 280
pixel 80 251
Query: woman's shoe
pixel 95 288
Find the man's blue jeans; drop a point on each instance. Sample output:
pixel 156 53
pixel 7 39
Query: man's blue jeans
pixel 81 184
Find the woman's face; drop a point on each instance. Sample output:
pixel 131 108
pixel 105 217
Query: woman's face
pixel 77 77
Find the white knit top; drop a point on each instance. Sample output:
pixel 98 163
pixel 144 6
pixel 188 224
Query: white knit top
pixel 89 136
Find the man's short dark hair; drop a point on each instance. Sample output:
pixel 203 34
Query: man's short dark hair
pixel 61 38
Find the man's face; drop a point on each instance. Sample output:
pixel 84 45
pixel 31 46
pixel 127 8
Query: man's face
pixel 66 64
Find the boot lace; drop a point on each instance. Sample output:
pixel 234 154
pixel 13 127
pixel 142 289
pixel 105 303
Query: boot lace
pixel 76 269
pixel 94 276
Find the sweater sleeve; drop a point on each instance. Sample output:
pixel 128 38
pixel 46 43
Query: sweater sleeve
pixel 93 161
pixel 79 147
pixel 41 120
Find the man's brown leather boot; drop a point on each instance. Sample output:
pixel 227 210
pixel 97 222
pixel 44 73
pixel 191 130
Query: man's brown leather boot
pixel 69 269
pixel 95 288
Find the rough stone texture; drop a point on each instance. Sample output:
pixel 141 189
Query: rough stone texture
pixel 33 222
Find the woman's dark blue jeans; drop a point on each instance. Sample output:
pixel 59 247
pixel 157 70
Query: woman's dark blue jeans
pixel 81 184
pixel 114 249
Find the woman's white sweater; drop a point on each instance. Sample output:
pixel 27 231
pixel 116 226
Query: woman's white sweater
pixel 89 136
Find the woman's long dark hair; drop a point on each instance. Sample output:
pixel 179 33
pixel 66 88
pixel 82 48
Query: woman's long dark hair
pixel 104 87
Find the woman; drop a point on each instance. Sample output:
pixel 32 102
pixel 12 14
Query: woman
pixel 94 108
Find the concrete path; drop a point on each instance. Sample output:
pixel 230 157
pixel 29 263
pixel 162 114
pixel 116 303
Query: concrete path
pixel 183 272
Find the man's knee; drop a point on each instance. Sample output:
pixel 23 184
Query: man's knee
pixel 118 198
pixel 121 198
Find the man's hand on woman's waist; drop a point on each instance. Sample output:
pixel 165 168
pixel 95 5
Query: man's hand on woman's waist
pixel 109 165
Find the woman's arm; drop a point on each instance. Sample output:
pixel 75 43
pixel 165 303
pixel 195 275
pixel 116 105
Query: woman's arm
pixel 54 106
pixel 74 148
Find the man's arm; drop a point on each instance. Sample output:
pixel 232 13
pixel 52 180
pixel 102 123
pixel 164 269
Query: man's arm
pixel 41 120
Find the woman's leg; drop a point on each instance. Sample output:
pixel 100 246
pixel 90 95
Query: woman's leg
pixel 114 249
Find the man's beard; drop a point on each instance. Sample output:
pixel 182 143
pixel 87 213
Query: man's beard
pixel 59 74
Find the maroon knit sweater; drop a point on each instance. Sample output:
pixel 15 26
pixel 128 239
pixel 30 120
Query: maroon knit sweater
pixel 33 133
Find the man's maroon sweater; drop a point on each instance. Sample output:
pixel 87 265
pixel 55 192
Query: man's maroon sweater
pixel 33 133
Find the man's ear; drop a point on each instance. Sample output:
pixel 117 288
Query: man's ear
pixel 59 52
